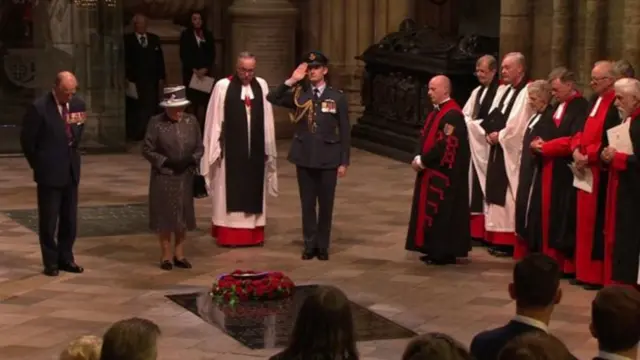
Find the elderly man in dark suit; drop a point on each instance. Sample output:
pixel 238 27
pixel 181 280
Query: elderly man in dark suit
pixel 536 290
pixel 51 131
pixel 145 68
pixel 320 148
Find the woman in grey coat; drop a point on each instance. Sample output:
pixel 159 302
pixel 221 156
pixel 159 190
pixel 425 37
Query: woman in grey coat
pixel 173 146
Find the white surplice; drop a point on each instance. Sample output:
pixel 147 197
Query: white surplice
pixel 498 218
pixel 212 166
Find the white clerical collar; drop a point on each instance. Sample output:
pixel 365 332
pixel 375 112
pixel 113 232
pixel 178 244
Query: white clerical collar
pixel 531 322
pixel 611 356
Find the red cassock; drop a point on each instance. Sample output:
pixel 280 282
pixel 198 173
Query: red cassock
pixel 622 244
pixel 558 194
pixel 589 254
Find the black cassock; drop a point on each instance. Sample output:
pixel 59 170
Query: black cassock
pixel 439 223
pixel 529 193
pixel 626 189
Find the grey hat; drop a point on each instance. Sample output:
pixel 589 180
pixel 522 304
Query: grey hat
pixel 175 96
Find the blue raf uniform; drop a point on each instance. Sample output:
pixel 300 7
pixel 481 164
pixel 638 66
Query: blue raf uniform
pixel 321 144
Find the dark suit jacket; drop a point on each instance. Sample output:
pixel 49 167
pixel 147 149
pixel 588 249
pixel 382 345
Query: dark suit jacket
pixel 488 344
pixel 194 56
pixel 144 66
pixel 329 145
pixel 45 143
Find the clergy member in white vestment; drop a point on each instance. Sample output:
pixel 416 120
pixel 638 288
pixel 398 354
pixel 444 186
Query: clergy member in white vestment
pixel 503 131
pixel 239 162
pixel 475 110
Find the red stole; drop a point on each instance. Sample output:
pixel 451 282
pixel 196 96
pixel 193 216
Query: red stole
pixel 589 140
pixel 432 134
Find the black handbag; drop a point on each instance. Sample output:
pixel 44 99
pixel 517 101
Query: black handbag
pixel 199 186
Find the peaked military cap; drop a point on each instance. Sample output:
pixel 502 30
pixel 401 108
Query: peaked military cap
pixel 316 58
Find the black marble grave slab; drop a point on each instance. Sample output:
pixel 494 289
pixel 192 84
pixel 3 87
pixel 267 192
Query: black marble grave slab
pixel 93 221
pixel 268 324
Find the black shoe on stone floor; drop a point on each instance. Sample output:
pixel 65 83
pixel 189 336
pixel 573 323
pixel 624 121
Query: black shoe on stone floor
pixel 591 287
pixel 51 271
pixel 576 282
pixel 166 265
pixel 182 263
pixel 71 267
pixel 308 254
pixel 323 255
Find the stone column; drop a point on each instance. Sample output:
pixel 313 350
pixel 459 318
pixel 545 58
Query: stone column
pixel 336 51
pixel 515 27
pixel 325 25
pixel 631 32
pixel 380 9
pixel 365 25
pixel 593 30
pixel 560 32
pixel 397 11
pixel 314 26
pixel 267 29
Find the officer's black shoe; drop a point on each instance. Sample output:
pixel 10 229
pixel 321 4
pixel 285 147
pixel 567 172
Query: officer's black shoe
pixel 308 254
pixel 323 255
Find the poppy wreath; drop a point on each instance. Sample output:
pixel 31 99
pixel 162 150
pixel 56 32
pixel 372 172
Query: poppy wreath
pixel 248 285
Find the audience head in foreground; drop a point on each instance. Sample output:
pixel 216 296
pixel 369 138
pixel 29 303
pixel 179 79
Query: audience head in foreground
pixel 435 346
pixel 324 328
pixel 131 339
pixel 536 286
pixel 535 346
pixel 615 321
pixel 83 348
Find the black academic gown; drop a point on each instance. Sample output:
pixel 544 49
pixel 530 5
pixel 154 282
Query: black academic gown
pixel 529 193
pixel 626 244
pixel 439 223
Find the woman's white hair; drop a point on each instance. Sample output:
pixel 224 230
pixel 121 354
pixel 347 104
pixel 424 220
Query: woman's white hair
pixel 628 86
pixel 541 88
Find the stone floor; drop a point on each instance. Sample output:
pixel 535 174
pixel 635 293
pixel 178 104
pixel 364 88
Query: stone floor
pixel 39 315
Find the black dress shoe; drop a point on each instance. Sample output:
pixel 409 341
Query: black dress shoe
pixel 323 255
pixel 591 287
pixel 71 267
pixel 445 260
pixel 576 282
pixel 166 265
pixel 308 254
pixel 51 271
pixel 183 263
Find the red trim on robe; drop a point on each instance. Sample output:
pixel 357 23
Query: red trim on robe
pixel 229 77
pixel 433 123
pixel 589 142
pixel 477 227
pixel 499 238
pixel 520 248
pixel 226 236
pixel 557 147
pixel 618 164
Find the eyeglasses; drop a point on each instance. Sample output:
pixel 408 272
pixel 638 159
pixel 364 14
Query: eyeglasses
pixel 246 71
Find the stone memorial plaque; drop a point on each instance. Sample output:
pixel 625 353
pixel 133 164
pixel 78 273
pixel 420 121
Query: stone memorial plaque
pixel 268 324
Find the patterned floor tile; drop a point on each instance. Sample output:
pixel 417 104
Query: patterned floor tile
pixel 122 278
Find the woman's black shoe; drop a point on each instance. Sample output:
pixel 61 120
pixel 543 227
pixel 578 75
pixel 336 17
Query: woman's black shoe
pixel 166 265
pixel 183 263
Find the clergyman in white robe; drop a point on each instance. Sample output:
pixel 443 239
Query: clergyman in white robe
pixel 500 220
pixel 236 228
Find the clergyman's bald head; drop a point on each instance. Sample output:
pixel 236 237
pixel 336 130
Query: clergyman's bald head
pixel 439 89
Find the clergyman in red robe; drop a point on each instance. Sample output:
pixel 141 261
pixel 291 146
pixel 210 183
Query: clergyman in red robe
pixel 622 238
pixel 439 224
pixel 559 210
pixel 586 146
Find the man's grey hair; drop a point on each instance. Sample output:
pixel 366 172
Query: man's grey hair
pixel 245 55
pixel 490 60
pixel 608 66
pixel 563 74
pixel 541 88
pixel 518 57
pixel 624 69
pixel 628 86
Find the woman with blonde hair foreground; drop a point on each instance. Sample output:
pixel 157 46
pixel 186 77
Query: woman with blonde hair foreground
pixel 83 348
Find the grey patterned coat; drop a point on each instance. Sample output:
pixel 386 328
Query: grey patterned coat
pixel 171 206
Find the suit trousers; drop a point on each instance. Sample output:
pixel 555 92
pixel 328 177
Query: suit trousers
pixel 57 207
pixel 146 106
pixel 317 188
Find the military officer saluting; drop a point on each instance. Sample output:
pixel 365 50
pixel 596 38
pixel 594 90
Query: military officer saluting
pixel 320 148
